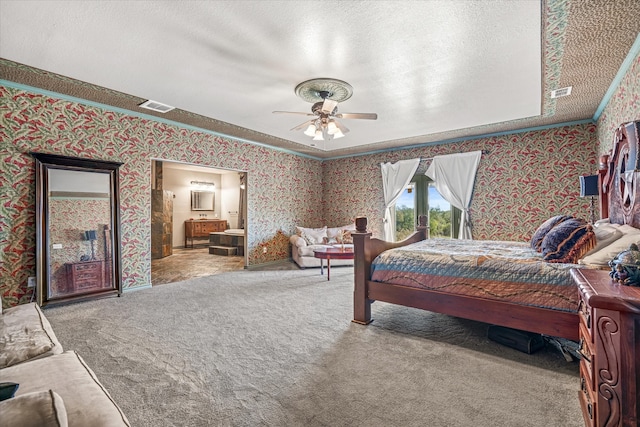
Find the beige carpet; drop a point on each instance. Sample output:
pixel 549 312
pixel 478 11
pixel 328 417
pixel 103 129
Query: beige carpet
pixel 277 348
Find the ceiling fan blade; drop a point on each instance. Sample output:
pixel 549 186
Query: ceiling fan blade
pixel 292 112
pixel 342 127
pixel 367 116
pixel 329 105
pixel 303 125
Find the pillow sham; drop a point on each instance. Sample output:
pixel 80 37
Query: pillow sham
pixel 568 241
pixel 544 228
pixel 627 229
pixel 602 257
pixel 605 235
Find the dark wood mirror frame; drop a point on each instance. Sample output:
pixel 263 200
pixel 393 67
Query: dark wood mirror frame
pixel 83 277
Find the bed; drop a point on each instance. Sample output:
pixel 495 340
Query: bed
pixel 470 283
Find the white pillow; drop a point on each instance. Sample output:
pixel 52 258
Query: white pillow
pixel 605 235
pixel 313 236
pixel 334 232
pixel 627 229
pixel 603 256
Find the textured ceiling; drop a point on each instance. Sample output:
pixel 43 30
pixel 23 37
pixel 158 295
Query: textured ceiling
pixel 433 71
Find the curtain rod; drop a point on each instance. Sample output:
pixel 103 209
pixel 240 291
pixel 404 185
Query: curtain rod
pixel 431 158
pixel 422 159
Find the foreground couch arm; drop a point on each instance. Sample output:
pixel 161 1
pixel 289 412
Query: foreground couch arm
pixel 297 241
pixel 86 400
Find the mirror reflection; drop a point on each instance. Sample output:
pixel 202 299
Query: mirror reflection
pixel 203 200
pixel 79 231
pixel 77 228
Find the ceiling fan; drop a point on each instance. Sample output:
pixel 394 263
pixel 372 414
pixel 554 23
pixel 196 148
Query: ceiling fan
pixel 325 94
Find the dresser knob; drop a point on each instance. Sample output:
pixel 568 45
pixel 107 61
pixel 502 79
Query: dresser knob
pixel 586 356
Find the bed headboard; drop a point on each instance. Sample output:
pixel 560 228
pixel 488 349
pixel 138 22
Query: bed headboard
pixel 619 175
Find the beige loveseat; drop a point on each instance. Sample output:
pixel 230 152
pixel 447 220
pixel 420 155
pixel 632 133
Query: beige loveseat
pixel 306 240
pixel 55 388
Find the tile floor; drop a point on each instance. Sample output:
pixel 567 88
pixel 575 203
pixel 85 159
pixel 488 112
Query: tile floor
pixel 190 263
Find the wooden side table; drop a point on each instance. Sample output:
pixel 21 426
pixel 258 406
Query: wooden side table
pixel 610 348
pixel 329 253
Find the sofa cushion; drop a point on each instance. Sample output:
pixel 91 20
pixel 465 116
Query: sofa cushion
pixel 308 250
pixel 313 236
pixel 25 334
pixel 340 234
pixel 36 409
pixel 86 400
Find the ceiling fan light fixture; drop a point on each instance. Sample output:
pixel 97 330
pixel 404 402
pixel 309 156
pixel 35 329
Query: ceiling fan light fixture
pixel 332 128
pixel 318 136
pixel 338 134
pixel 311 130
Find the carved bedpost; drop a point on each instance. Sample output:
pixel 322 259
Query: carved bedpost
pixel 361 273
pixel 423 226
pixel 603 194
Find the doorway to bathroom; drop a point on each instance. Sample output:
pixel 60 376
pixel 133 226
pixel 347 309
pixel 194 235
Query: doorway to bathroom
pixel 198 221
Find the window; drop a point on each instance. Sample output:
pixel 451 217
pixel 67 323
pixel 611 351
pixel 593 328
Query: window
pixel 406 213
pixel 421 198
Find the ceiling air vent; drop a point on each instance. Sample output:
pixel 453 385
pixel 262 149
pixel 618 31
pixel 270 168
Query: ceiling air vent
pixel 156 106
pixel 558 93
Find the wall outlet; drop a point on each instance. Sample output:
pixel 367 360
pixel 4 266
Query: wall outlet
pixel 31 282
pixel 264 249
pixel 57 246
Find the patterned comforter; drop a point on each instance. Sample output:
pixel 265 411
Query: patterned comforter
pixel 505 271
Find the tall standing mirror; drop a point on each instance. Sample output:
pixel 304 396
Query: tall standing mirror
pixel 77 229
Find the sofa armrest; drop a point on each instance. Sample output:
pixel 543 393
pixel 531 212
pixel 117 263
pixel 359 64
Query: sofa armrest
pixel 297 241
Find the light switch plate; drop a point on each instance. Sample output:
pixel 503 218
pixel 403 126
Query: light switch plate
pixel 57 246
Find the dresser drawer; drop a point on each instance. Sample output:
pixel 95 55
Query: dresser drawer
pixel 86 276
pixel 587 399
pixel 585 312
pixel 585 348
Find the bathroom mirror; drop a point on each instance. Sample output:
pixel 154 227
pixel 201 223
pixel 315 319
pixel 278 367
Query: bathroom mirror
pixel 203 200
pixel 77 229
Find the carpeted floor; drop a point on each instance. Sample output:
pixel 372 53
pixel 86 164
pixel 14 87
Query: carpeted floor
pixel 277 348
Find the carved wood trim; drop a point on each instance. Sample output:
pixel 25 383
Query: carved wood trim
pixel 608 369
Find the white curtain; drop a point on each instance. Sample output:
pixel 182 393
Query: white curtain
pixel 395 178
pixel 454 176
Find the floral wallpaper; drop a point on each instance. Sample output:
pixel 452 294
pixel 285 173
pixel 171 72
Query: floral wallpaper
pixel 623 107
pixel 67 227
pixel 522 180
pixel 283 189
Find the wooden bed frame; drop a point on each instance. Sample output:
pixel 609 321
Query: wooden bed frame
pixel 534 319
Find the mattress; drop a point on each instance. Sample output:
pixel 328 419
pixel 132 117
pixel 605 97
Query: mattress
pixel 504 271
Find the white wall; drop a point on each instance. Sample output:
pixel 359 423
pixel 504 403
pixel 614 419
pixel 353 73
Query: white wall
pixel 179 182
pixel 230 198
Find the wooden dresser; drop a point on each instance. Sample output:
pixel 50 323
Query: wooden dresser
pixel 200 228
pixel 610 346
pixel 85 276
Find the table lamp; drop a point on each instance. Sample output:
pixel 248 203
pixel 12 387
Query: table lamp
pixel 589 188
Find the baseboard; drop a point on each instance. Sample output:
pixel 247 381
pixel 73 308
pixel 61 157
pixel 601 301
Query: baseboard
pixel 268 263
pixel 136 288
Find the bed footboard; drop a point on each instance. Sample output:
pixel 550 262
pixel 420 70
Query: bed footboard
pixel 366 249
